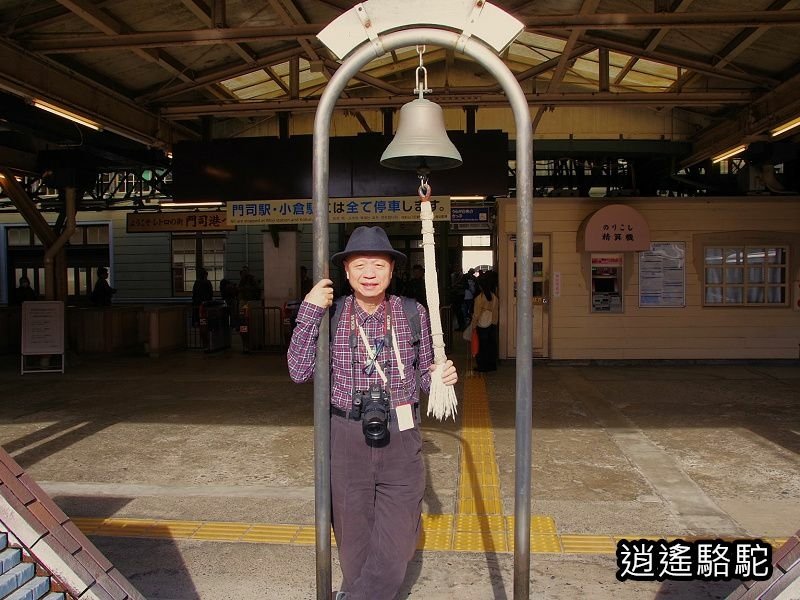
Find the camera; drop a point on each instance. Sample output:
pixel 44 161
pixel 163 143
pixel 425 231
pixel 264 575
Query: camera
pixel 374 408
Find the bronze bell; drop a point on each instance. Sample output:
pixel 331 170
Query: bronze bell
pixel 421 143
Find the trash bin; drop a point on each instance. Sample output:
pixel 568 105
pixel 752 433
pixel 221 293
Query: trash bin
pixel 215 330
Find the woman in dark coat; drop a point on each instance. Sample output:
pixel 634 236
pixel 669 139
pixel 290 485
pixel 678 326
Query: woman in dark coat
pixel 485 316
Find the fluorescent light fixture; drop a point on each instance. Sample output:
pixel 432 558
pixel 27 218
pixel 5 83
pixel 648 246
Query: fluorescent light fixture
pixel 189 204
pixel 789 125
pixel 729 153
pixel 467 197
pixel 66 114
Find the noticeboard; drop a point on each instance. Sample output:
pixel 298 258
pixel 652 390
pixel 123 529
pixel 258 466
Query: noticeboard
pixel 42 328
pixel 662 275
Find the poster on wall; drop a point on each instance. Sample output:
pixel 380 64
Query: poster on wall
pixel 662 275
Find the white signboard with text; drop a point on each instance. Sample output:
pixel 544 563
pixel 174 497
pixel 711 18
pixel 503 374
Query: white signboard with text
pixel 42 328
pixel 43 336
pixel 662 275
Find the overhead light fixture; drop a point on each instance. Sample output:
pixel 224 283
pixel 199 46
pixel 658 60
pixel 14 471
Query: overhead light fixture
pixel 473 198
pixel 789 125
pixel 66 114
pixel 729 153
pixel 189 204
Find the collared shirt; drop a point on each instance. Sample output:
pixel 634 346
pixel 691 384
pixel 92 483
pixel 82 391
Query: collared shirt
pixel 303 350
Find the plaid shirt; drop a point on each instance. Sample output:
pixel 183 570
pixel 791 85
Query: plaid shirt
pixel 303 350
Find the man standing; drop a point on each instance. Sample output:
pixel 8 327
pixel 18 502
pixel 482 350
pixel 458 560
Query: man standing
pixel 24 293
pixel 377 475
pixel 102 292
pixel 416 285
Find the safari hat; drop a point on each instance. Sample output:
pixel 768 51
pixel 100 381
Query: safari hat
pixel 368 240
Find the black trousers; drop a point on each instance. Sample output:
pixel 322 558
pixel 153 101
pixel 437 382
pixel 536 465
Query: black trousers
pixel 486 360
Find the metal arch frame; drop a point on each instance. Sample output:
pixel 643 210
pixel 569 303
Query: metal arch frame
pixel 524 376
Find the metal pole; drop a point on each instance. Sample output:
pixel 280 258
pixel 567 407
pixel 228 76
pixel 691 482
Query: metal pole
pixel 494 65
pixel 322 383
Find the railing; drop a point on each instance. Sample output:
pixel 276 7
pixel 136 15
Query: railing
pixel 266 331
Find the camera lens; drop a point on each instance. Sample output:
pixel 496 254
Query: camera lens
pixel 374 421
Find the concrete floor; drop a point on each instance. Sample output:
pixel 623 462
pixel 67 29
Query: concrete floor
pixel 617 451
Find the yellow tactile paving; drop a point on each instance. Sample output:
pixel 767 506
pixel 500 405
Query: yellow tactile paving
pixel 271 534
pixel 540 524
pixel 480 541
pixel 440 533
pixel 230 532
pixel 588 544
pixel 539 544
pixel 307 536
pixel 481 506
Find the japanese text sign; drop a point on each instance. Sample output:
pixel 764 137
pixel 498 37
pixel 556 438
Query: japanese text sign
pixel 153 222
pixel 340 210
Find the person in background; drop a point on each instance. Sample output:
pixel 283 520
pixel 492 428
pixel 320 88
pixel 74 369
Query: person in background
pixel 102 292
pixel 24 293
pixel 202 291
pixel 457 288
pixel 470 287
pixel 415 288
pixel 248 288
pixel 485 317
pixel 305 282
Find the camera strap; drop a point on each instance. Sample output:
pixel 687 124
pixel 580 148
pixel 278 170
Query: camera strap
pixel 372 355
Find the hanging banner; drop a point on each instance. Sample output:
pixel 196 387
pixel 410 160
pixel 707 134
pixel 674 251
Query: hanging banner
pixel 662 275
pixel 340 210
pixel 156 222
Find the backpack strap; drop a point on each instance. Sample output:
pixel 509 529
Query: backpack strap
pixel 336 314
pixel 414 321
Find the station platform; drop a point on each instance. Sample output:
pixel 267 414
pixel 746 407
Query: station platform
pixel 193 472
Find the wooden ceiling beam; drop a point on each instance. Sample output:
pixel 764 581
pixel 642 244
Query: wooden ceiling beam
pixel 111 27
pixel 199 9
pixel 669 20
pixel 211 76
pixel 653 40
pixel 456 99
pixel 587 7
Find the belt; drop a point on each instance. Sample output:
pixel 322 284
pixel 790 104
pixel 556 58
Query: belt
pixel 346 414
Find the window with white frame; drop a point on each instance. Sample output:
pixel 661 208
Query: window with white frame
pixel 190 253
pixel 746 276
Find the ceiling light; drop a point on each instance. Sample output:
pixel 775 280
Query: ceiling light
pixel 729 153
pixel 780 129
pixel 468 198
pixel 189 204
pixel 62 112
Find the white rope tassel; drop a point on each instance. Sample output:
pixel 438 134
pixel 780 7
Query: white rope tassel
pixel 442 401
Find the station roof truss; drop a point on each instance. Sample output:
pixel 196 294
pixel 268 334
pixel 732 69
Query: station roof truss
pixel 156 71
